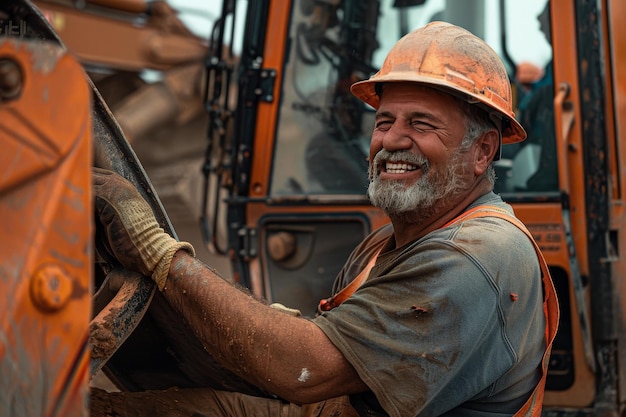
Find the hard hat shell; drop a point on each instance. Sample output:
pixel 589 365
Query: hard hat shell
pixel 452 59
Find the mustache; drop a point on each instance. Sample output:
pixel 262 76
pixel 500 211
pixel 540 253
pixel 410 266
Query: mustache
pixel 384 156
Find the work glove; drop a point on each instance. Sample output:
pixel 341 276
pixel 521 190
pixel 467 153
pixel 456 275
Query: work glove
pixel 131 230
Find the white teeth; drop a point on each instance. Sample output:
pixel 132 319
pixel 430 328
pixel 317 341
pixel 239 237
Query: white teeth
pixel 399 168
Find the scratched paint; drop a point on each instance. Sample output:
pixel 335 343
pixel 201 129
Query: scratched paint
pixel 45 205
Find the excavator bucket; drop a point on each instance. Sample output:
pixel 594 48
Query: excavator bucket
pixel 46 234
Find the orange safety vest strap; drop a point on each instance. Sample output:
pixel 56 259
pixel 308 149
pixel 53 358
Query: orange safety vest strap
pixel 328 304
pixel 534 404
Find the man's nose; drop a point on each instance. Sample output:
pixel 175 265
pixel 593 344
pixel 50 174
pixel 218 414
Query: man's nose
pixel 398 137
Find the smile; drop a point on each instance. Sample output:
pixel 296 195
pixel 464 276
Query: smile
pixel 399 168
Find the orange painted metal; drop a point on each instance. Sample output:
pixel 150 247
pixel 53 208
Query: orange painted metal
pixel 46 234
pixel 116 39
pixel 132 6
pixel 566 63
pixel 614 12
pixel 274 58
pixel 545 222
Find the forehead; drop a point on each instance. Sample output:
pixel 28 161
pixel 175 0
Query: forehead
pixel 416 95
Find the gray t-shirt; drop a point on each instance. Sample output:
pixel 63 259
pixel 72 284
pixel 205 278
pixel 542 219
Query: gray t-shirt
pixel 449 325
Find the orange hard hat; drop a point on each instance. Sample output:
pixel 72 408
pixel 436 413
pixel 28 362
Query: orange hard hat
pixel 452 59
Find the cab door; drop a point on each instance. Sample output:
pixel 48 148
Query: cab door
pixel 564 183
pixel 297 204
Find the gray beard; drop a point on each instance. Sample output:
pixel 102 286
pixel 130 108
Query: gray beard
pixel 410 203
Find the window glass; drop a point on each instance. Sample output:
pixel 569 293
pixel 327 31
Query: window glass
pixel 323 131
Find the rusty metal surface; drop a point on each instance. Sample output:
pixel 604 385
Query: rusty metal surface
pixel 45 238
pixel 119 317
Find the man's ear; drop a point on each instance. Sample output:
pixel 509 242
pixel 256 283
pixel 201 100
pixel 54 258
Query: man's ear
pixel 487 146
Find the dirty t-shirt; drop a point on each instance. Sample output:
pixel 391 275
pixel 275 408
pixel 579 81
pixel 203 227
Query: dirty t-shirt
pixel 449 325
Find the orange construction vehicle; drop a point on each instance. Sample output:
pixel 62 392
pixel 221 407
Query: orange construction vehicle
pixel 282 174
pixel 149 68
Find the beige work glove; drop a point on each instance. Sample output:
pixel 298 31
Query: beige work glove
pixel 133 235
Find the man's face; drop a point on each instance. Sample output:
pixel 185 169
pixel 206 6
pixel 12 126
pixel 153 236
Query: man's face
pixel 415 156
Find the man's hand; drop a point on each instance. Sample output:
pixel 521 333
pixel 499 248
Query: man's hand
pixel 134 236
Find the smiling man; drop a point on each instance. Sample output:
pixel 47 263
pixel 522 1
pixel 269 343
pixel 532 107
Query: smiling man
pixel 439 313
pixel 421 158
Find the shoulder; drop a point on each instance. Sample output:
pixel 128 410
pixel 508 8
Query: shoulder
pixel 494 231
pixel 493 245
pixel 488 221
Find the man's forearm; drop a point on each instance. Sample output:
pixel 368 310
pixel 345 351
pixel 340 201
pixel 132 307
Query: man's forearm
pixel 285 355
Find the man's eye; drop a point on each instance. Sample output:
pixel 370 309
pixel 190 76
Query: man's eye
pixel 383 124
pixel 421 126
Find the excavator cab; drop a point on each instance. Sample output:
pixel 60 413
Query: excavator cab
pixel 293 173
